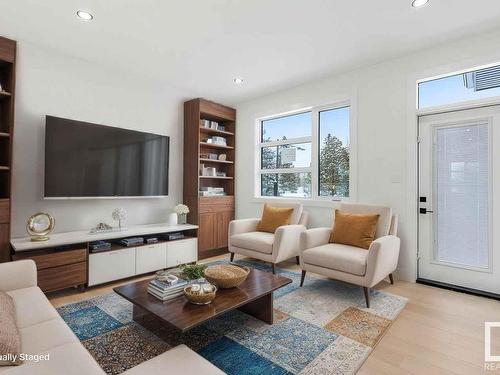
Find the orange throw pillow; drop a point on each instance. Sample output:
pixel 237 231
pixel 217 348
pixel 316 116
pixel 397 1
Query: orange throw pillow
pixel 354 229
pixel 274 217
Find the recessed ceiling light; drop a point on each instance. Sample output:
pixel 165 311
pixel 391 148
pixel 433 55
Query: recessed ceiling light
pixel 84 15
pixel 419 3
pixel 238 80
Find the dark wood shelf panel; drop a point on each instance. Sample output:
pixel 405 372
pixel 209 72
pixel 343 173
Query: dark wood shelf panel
pixel 216 161
pixel 5 94
pixel 215 131
pixel 7 98
pixel 218 177
pixel 118 246
pixel 214 145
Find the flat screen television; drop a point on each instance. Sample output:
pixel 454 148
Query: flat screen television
pixel 90 160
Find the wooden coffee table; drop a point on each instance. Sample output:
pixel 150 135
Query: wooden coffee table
pixel 254 297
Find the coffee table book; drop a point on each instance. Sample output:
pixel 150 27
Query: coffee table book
pixel 165 291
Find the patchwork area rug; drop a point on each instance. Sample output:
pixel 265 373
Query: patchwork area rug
pixel 321 328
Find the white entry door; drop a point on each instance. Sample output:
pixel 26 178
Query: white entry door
pixel 459 198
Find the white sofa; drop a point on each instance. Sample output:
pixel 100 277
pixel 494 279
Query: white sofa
pixel 283 244
pixel 43 331
pixel 351 264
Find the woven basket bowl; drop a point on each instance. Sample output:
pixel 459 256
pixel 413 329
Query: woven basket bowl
pixel 197 298
pixel 226 276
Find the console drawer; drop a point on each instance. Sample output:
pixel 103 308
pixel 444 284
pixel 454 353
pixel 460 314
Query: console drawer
pixel 182 252
pixel 62 277
pixel 216 204
pixel 149 258
pixel 111 265
pixel 56 259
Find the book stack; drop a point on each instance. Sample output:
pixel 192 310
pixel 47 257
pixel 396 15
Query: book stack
pixel 132 241
pixel 165 291
pixel 211 191
pixel 98 246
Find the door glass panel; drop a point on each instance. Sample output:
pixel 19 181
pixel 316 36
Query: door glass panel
pixel 461 195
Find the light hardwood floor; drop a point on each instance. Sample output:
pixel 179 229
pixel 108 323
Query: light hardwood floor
pixel 438 332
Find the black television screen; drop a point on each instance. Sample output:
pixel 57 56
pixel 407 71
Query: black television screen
pixel 89 160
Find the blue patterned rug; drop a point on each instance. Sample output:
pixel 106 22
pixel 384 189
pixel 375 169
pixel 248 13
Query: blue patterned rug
pixel 321 328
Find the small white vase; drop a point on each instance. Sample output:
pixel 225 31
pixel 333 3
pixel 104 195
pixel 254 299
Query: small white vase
pixel 172 219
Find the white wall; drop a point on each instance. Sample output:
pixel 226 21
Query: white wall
pixel 50 83
pixel 384 96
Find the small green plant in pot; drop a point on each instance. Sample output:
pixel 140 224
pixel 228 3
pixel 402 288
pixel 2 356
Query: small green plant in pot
pixel 193 271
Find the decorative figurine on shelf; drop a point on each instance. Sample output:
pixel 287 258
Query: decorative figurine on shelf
pixel 119 214
pixel 222 157
pixel 101 228
pixel 39 226
pixel 181 210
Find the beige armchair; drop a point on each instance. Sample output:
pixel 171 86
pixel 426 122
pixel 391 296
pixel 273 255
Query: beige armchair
pixel 244 239
pixel 351 264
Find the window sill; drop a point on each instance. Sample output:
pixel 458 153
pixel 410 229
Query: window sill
pixel 307 202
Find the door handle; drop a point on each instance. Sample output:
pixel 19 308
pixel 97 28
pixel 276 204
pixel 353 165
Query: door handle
pixel 424 211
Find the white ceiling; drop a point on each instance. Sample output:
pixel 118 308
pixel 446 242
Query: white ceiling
pixel 200 45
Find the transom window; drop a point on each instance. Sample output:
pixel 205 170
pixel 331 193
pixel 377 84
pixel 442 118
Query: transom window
pixel 306 154
pixel 472 85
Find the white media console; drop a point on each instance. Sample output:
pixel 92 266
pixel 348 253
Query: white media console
pixel 119 264
pixel 65 259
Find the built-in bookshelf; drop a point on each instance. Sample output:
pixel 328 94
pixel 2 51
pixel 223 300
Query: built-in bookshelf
pixel 7 83
pixel 209 151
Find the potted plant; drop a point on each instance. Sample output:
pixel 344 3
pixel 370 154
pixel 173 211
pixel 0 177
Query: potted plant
pixel 181 210
pixel 193 271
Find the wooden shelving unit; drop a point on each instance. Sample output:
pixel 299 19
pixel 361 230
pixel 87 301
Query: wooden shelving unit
pixel 7 95
pixel 211 213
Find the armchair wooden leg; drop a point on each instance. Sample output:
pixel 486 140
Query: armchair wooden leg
pixel 274 270
pixel 302 277
pixel 367 296
pixel 297 259
pixel 391 278
pixel 232 257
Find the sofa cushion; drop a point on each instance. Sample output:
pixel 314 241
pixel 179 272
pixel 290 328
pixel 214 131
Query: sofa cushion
pixel 10 339
pixel 257 241
pixel 274 217
pixel 71 359
pixel 32 307
pixel 384 221
pixel 354 229
pixel 179 360
pixel 41 337
pixel 338 257
pixel 297 210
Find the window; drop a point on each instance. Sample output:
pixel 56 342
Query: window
pixel 473 85
pixel 285 155
pixel 334 153
pixel 306 154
